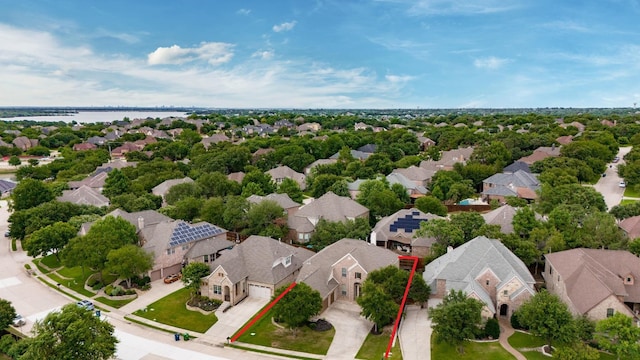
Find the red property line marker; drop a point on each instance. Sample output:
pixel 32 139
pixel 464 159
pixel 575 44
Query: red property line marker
pixel 261 314
pixel 404 299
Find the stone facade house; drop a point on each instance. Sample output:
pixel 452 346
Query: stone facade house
pixel 256 267
pixel 485 270
pixel 338 271
pixel 595 282
pixel 631 227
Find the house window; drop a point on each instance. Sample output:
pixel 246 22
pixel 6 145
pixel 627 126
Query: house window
pixel 344 272
pixel 220 274
pixel 610 312
pixel 343 290
pixel 550 270
pixel 171 251
pixel 358 275
pixel 217 289
pixel 506 292
pixel 287 261
pixel 488 282
pixel 185 247
pixel 206 258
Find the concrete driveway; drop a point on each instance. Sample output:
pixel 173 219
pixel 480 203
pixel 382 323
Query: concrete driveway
pixel 231 321
pixel 415 334
pixel 608 186
pixel 351 329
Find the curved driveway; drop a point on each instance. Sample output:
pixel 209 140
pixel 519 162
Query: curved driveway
pixel 608 186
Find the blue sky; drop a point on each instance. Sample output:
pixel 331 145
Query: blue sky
pixel 320 54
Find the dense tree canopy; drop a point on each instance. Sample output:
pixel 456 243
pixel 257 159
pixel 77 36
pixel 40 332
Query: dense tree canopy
pixel 457 319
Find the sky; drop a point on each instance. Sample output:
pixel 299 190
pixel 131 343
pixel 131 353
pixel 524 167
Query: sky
pixel 320 53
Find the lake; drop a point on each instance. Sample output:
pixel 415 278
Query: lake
pixel 101 116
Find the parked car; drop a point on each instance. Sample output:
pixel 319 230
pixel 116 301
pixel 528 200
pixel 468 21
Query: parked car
pixel 19 320
pixel 7 234
pixel 172 278
pixel 86 304
pixel 616 159
pixel 622 184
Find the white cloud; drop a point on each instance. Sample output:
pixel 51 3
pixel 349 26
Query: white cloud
pixel 457 7
pixel 243 11
pixel 491 63
pixel 124 37
pixel 263 54
pixel 213 52
pixel 285 26
pixel 398 79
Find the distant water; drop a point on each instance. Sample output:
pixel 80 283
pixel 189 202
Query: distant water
pixel 101 116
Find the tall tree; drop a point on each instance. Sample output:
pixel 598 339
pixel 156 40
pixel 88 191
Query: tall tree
pixel 291 188
pixel 72 333
pixel 51 238
pixel 548 317
pixel 619 335
pixel 431 205
pixel 297 306
pixel 376 304
pixel 457 319
pixel 30 193
pixel 469 222
pixel 129 261
pixel 115 184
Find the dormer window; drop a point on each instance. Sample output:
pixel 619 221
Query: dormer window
pixel 287 261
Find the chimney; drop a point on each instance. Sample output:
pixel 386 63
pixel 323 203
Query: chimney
pixel 140 222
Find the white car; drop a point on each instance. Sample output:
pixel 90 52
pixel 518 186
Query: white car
pixel 19 320
pixel 622 184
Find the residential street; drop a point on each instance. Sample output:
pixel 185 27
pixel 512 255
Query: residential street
pixel 608 186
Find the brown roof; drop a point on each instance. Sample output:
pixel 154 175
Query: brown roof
pixel 332 207
pixel 631 226
pixel 592 275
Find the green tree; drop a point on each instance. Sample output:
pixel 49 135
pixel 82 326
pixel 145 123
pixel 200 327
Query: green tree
pixel 187 209
pixel 379 199
pixel 115 184
pixel 570 194
pixel 297 306
pixel 328 232
pixel 619 335
pixel 30 193
pixel 444 233
pixel 7 314
pixel 524 221
pixel 261 217
pixel 431 205
pixel 72 333
pixel 182 191
pixel 129 261
pixel 548 317
pixel 376 304
pixel 51 238
pixel 469 222
pixel 91 250
pixel 291 188
pixel 576 351
pixel 192 275
pixel 419 291
pixel 15 161
pixel 456 319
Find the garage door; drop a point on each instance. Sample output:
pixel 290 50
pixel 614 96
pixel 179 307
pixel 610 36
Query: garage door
pixel 258 291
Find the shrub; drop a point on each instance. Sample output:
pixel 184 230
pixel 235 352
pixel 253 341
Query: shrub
pixel 492 329
pixel 92 281
pixel 6 341
pixel 97 286
pixel 108 289
pixel 515 321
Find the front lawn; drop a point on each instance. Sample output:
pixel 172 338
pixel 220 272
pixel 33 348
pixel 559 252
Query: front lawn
pixel 472 351
pixel 73 279
pixel 172 310
pixel 630 192
pixel 375 346
pixel 521 341
pixel 113 303
pixel 51 261
pixel 265 333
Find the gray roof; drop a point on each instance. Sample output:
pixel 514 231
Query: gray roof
pixel 397 178
pixel 283 200
pixel 355 185
pixel 93 181
pixel 208 246
pixel 369 148
pixel 84 195
pixel 145 217
pixel 260 259
pixel 416 173
pixel 355 154
pixel 162 188
pixel 7 185
pixel 502 216
pixel 332 207
pixel 461 266
pixel 167 234
pixel 317 271
pixel 517 165
pixel 519 179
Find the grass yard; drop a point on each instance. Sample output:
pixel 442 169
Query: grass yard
pixel 375 346
pixel 627 201
pixel 113 303
pixel 73 279
pixel 522 341
pixel 171 310
pixel 51 261
pixel 630 192
pixel 305 339
pixel 472 351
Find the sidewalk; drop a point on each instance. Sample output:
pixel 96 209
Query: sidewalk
pixel 505 332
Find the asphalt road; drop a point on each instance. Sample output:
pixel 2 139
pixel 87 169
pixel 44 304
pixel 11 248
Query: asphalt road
pixel 608 186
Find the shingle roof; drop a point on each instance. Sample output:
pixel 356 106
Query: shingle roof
pixel 416 173
pixel 518 179
pixel 398 178
pixel 316 271
pixel 369 148
pixel 502 216
pixel 162 188
pixel 516 166
pixel 285 172
pixel 355 154
pixel 402 226
pixel 461 266
pixel 92 181
pixel 168 234
pixel 283 200
pixel 6 185
pixel 260 259
pixel 592 275
pixel 208 247
pixel 631 226
pixel 332 207
pixel 84 195
pixel 448 159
